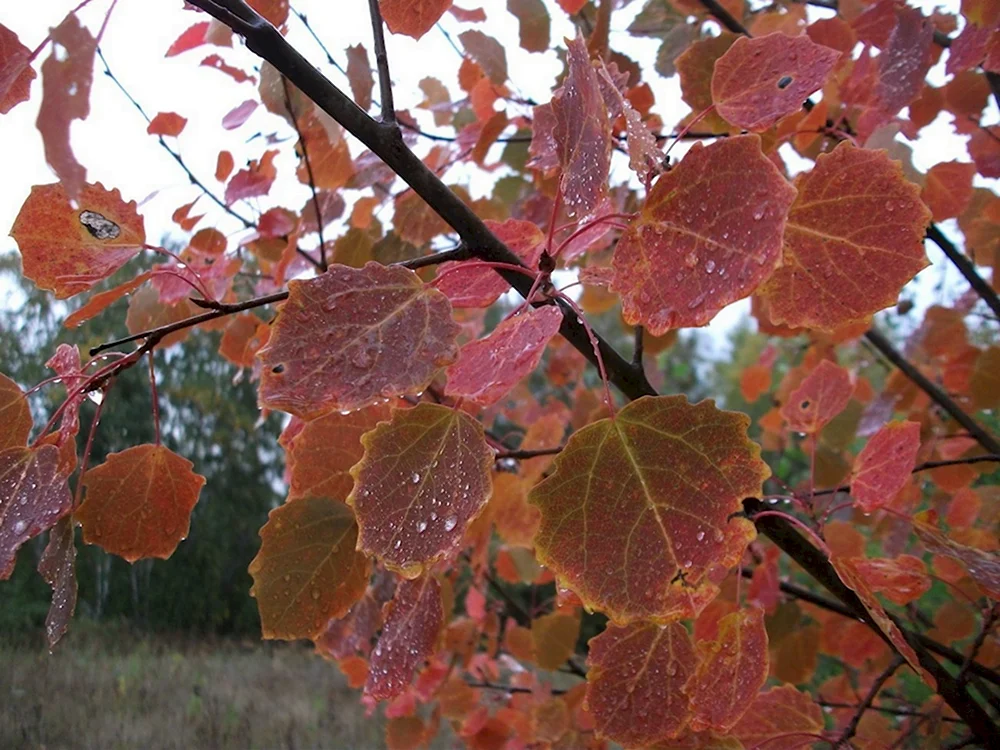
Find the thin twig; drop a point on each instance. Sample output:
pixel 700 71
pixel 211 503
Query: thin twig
pixel 852 726
pixel 309 173
pixel 522 455
pixel 925 466
pixel 966 267
pixel 382 64
pixel 156 400
pixel 329 58
pixel 889 710
pixel 987 627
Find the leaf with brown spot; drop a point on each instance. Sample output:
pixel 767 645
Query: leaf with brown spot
pixel 424 478
pixel 34 495
pixel 67 250
pixel 15 415
pixel 884 465
pixel 637 511
pixel 16 73
pixel 842 259
pixel 307 570
pixel 636 682
pixel 412 627
pixel 708 235
pixel 819 398
pixel 758 81
pixel 412 17
pixel 338 340
pixel 138 502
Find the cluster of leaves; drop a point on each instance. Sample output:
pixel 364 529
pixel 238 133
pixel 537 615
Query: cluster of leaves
pixel 410 516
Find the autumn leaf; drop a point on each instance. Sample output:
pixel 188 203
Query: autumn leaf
pixel 412 17
pixel 254 181
pixel 901 579
pixel 842 261
pixel 359 75
pixel 138 502
pixel 820 397
pixel 67 250
pixel 66 78
pixel 412 627
pixel 166 123
pixel 244 336
pixel 15 415
pixel 424 478
pixel 339 338
pixel 883 467
pixel 696 68
pixel 637 510
pixel 948 189
pixel 758 81
pixel 983 567
pixel 239 114
pixel 572 134
pixel 307 570
pixel 644 155
pixel 553 638
pixel 488 52
pixel 533 23
pixel 707 236
pixel 102 300
pixel 16 73
pixel 34 495
pixel 636 682
pixel 779 712
pixel 488 368
pixel 58 568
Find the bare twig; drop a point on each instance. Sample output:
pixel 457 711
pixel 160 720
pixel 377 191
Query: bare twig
pixel 925 466
pixel 382 64
pixel 852 726
pixel 966 267
pixel 309 172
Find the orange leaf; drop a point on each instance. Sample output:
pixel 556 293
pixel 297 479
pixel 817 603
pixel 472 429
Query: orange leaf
pixel 842 259
pixel 102 300
pixel 359 75
pixel 731 670
pixel 781 711
pixel 404 733
pixel 818 399
pixel 307 570
pixel 708 235
pixel 758 81
pixel 554 639
pixel 884 465
pixel 676 472
pixel 424 478
pixel 138 502
pixel 983 567
pixel 67 250
pixel 900 579
pixel 348 355
pixel 948 189
pixel 166 123
pixel 412 17
pixel 244 336
pixel 696 67
pixel 224 166
pixel 16 73
pixel 34 495
pixel 636 682
pixel 15 415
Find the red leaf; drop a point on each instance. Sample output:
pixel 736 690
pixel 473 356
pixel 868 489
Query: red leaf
pixel 883 467
pixel 307 570
pixel 905 60
pixel 572 133
pixel 195 36
pixel 167 123
pixel 255 180
pixel 216 62
pixel 239 114
pixel 15 415
pixel 948 189
pixel 339 339
pixel 223 166
pixel 475 15
pixel 480 286
pixel 818 399
pixel 696 67
pixel 352 633
pixel 636 682
pixel 138 502
pixel 34 495
pixel 708 235
pixel 275 11
pixel 102 300
pixel 677 473
pixel 983 567
pixel 244 336
pixel 781 712
pixel 572 7
pixel 66 79
pixel 759 81
pixel 412 626
pixel 68 250
pixel 488 368
pixel 412 17
pixel 731 670
pixel 968 49
pixel 842 260
pixel 322 451
pixel 359 75
pixel 58 568
pixel 66 363
pixel 644 155
pixel 900 579
pixel 16 73
pixel 424 478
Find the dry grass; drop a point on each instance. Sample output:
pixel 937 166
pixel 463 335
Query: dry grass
pixel 108 688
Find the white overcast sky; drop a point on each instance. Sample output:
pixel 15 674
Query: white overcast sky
pixel 114 147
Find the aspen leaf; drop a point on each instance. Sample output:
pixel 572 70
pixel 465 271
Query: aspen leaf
pixel 758 81
pixel 138 502
pixel 488 368
pixel 15 415
pixel 781 711
pixel 731 670
pixel 193 36
pixel 412 17
pixel 884 465
pixel 217 63
pixel 58 568
pixel 983 567
pixel 34 495
pixel 102 300
pixel 339 339
pixel 359 75
pixel 244 336
pixel 16 73
pixel 424 478
pixel 488 52
pixel 900 579
pixel 948 189
pixel 239 114
pixel 696 67
pixel 533 23
pixel 842 261
pixel 819 398
pixel 554 639
pixel 67 250
pixel 636 682
pixel 307 570
pixel 412 627
pixel 707 236
pixel 636 510
pixel 166 123
pixel 254 181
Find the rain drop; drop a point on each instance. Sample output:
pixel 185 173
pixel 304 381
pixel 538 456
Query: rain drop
pixel 415 478
pixel 450 523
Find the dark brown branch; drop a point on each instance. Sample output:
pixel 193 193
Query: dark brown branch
pixel 487 685
pixel 891 710
pixel 966 267
pixel 638 335
pixel 852 726
pixel 940 38
pixel 309 172
pixel 521 455
pixel 387 143
pixel 724 17
pixel 941 398
pixel 382 64
pixel 987 627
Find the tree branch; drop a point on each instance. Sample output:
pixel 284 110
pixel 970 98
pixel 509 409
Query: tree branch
pixel 521 455
pixel 852 726
pixel 724 17
pixel 966 267
pixel 264 40
pixel 382 64
pixel 309 173
pixel 925 466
